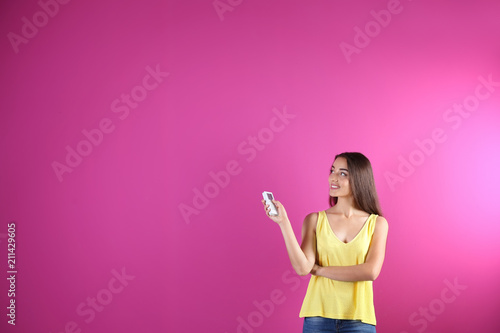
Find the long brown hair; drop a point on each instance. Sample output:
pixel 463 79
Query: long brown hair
pixel 362 183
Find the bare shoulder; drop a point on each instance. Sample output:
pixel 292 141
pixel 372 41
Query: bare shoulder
pixel 381 224
pixel 311 220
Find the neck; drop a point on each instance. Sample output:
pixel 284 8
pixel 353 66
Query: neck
pixel 345 206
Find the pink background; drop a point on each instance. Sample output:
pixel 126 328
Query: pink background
pixel 223 267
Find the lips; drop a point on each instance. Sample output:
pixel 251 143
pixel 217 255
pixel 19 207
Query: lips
pixel 333 186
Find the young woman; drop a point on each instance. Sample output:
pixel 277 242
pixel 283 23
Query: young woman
pixel 343 249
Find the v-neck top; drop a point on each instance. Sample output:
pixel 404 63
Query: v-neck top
pixel 339 299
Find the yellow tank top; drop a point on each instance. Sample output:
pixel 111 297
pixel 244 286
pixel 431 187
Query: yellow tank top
pixel 337 299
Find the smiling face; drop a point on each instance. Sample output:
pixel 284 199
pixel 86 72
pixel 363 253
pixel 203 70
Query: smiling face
pixel 339 179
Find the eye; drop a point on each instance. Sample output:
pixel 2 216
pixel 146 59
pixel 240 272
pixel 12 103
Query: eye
pixel 343 174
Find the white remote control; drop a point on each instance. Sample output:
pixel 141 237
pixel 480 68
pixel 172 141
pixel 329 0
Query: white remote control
pixel 268 197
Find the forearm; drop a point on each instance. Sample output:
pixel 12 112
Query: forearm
pixel 361 272
pixel 367 271
pixel 298 259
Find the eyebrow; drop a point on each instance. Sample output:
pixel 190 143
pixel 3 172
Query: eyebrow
pixel 340 168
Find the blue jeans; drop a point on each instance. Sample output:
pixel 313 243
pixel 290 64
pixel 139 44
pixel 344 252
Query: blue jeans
pixel 320 324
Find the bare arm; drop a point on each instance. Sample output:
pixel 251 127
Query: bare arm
pixel 370 269
pixel 301 257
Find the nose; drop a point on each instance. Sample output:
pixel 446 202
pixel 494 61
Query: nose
pixel 333 177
